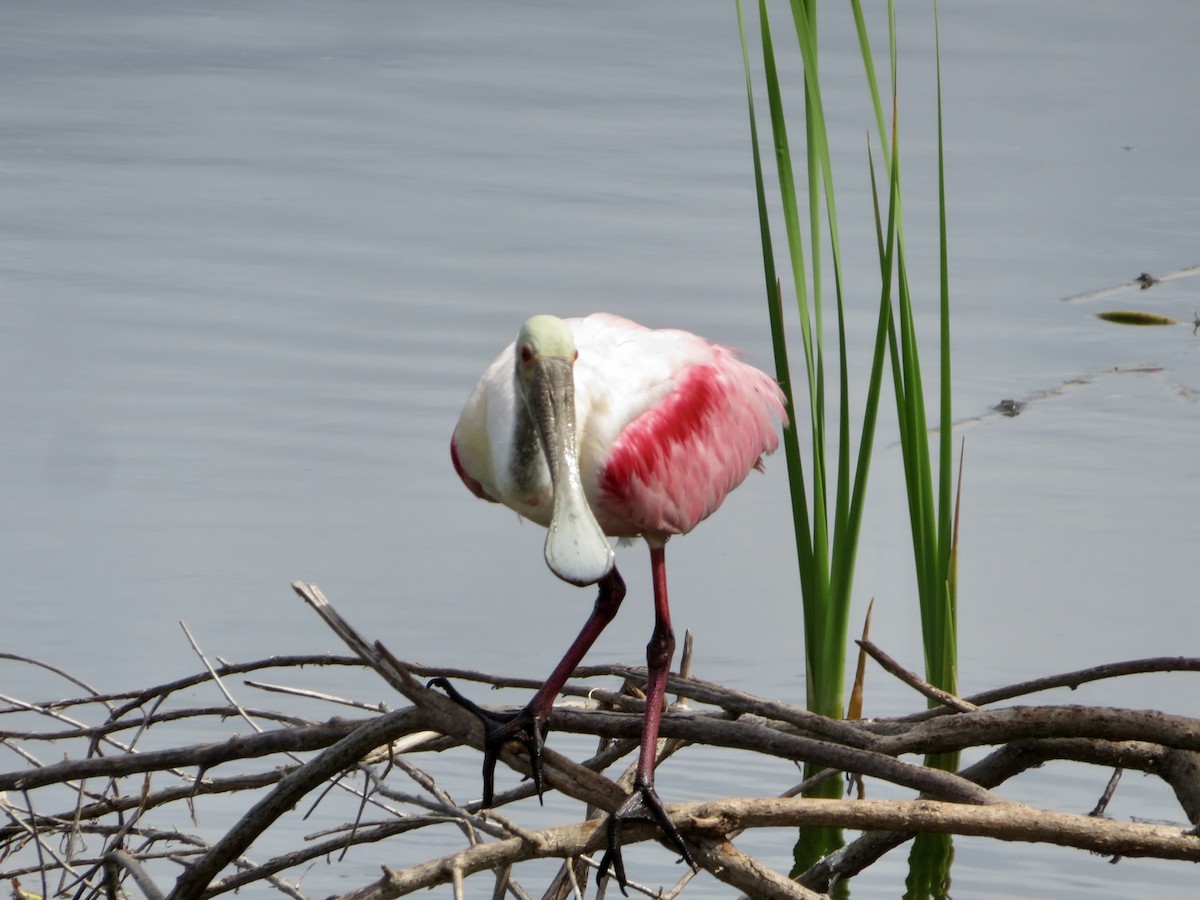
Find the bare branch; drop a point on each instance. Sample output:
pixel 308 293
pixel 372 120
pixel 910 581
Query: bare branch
pixel 996 726
pixel 312 737
pixel 288 793
pixel 126 818
pixel 119 859
pixel 1071 680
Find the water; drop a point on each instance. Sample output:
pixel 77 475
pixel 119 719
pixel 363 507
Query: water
pixel 254 259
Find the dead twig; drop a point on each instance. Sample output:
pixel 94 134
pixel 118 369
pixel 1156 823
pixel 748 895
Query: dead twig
pixel 912 679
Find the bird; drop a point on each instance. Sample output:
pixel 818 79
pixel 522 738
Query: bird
pixel 600 428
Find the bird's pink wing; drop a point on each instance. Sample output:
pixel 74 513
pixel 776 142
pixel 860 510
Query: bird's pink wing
pixel 674 464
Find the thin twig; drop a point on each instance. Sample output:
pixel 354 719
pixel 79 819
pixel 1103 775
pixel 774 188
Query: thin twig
pixel 1109 790
pixel 1070 680
pixel 95 695
pixel 315 695
pixel 119 859
pixel 912 679
pixel 218 682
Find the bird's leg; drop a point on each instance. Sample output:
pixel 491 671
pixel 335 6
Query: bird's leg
pixel 529 725
pixel 643 804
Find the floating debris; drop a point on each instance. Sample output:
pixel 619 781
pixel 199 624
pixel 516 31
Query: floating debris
pixel 1143 281
pixel 1012 407
pixel 1135 317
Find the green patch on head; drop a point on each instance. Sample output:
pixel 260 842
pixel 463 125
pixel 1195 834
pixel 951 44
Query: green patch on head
pixel 546 336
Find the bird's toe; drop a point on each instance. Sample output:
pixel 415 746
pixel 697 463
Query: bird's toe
pixel 643 805
pixel 525 727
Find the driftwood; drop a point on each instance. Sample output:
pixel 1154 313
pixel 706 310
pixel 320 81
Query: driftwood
pixel 91 822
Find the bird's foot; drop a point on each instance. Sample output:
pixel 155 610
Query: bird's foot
pixel 524 726
pixel 643 805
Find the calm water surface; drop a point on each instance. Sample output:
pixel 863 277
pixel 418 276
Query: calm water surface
pixel 254 260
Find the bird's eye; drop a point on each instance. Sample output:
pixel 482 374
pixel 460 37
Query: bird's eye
pixel 526 353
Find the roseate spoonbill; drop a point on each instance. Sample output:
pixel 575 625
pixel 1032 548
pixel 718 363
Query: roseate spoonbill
pixel 601 427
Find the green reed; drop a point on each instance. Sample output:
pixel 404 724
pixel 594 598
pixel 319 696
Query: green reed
pixel 828 497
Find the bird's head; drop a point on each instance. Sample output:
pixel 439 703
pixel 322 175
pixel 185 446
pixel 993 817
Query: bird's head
pixel 544 341
pixel 576 547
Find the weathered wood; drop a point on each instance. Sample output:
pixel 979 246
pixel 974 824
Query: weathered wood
pixel 94 741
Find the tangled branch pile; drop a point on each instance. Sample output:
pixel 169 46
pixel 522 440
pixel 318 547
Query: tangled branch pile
pixel 95 820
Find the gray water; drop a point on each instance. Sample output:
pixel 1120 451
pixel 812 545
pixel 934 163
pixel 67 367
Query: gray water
pixel 253 259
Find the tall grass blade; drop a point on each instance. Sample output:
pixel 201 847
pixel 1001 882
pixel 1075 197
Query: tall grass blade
pixel 829 498
pixel 799 499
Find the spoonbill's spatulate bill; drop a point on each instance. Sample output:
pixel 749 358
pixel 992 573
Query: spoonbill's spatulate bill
pixel 597 428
